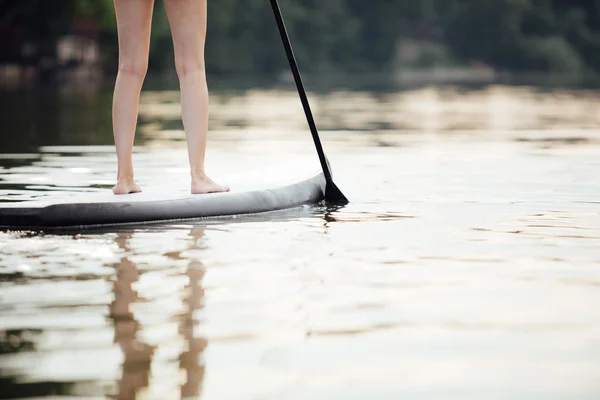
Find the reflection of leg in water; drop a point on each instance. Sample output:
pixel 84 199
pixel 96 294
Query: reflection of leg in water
pixel 137 356
pixel 189 360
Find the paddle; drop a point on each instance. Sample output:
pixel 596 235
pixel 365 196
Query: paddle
pixel 333 194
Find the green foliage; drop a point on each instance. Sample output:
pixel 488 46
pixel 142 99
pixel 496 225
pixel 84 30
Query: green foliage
pixel 161 50
pixel 552 54
pixel 541 35
pixel 356 35
pixel 101 9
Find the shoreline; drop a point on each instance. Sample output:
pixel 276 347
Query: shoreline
pixel 13 76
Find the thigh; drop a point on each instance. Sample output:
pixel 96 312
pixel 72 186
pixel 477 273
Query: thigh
pixel 187 19
pixel 134 21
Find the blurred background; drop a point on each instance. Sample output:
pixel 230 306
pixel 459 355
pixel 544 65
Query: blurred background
pixel 451 40
pixel 58 59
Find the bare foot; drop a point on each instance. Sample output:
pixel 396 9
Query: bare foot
pixel 126 186
pixel 206 185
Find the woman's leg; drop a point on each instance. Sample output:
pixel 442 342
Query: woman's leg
pixel 134 18
pixel 188 26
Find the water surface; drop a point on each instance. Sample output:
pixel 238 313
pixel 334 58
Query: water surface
pixel 467 265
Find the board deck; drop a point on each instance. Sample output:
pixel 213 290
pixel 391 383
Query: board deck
pixel 159 203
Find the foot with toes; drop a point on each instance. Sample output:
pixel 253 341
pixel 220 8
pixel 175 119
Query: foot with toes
pixel 126 186
pixel 203 184
pixel 200 185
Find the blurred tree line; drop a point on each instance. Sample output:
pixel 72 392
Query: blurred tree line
pixel 560 36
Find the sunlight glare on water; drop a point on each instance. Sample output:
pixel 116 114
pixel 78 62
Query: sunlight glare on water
pixel 467 264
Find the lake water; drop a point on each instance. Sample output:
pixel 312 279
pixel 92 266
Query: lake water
pixel 467 265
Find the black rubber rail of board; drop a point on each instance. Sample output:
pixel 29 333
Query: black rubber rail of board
pixel 333 195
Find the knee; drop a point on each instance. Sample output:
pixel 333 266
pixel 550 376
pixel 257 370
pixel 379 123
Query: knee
pixel 188 66
pixel 134 68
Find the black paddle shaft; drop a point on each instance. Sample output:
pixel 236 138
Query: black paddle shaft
pixel 333 194
pixel 298 79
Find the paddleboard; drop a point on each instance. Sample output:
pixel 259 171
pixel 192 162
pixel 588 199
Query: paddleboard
pixel 159 203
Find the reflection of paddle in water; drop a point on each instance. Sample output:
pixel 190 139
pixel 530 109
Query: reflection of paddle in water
pixel 137 356
pixel 189 360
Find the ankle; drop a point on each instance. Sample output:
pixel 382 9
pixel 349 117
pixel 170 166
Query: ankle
pixel 125 177
pixel 198 174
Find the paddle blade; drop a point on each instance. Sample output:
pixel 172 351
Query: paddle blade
pixel 334 196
